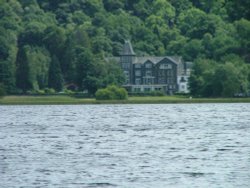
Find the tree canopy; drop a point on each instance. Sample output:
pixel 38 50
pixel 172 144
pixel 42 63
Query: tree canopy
pixel 46 43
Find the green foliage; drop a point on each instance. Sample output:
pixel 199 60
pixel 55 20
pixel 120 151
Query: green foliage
pixel 220 80
pixel 55 75
pixel 32 68
pixel 2 90
pixel 49 91
pixel 111 93
pixel 45 43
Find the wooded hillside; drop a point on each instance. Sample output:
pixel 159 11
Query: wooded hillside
pixel 52 43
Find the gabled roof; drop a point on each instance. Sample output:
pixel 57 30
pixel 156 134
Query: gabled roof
pixel 127 49
pixel 152 59
pixel 156 60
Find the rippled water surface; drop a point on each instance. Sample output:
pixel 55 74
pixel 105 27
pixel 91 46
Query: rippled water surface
pixel 183 145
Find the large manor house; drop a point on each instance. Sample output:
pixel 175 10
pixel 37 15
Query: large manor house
pixel 145 74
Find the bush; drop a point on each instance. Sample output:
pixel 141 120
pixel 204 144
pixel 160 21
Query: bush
pixel 68 92
pixel 40 92
pixel 111 93
pixel 2 90
pixel 104 94
pixel 49 91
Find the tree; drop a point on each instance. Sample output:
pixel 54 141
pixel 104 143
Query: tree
pixel 23 70
pixel 194 23
pixel 237 9
pixel 54 39
pixel 32 68
pixel 193 49
pixel 201 76
pixel 112 5
pixel 243 36
pixel 226 81
pixel 55 75
pixel 80 34
pixel 2 90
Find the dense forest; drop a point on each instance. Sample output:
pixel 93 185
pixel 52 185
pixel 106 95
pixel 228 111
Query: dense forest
pixel 58 43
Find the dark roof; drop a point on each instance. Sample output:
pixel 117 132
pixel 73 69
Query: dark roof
pixel 155 59
pixel 127 49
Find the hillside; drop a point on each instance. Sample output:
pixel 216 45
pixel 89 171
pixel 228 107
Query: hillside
pixel 53 43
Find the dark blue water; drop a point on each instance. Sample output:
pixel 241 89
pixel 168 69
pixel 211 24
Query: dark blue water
pixel 184 145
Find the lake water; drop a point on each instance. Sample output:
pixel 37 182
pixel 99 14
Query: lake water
pixel 127 146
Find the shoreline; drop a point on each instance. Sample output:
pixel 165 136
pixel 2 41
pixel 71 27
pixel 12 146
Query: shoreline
pixel 67 100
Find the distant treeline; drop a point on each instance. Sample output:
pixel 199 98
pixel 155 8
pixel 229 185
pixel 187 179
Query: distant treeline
pixel 55 43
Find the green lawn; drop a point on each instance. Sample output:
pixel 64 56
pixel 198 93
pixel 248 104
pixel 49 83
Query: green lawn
pixel 22 100
pixel 43 100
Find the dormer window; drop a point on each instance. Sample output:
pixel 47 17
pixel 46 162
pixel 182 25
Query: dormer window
pixel 137 66
pixel 148 65
pixel 165 66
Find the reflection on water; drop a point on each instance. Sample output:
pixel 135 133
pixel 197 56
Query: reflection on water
pixel 184 145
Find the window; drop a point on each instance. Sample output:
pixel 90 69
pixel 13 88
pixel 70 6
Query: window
pixel 126 59
pixel 165 66
pixel 137 73
pixel 148 80
pixel 148 73
pixel 147 89
pixel 182 79
pixel 169 73
pixel 137 81
pixel 148 65
pixel 137 65
pixel 170 80
pixel 162 80
pixel 125 65
pixel 126 73
pixel 137 89
pixel 161 72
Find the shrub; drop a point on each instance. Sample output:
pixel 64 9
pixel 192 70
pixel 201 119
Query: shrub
pixel 104 94
pixel 49 91
pixel 40 92
pixel 111 93
pixel 68 92
pixel 2 91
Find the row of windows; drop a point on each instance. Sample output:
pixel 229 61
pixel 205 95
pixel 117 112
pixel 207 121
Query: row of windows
pixel 164 80
pixel 149 66
pixel 165 73
pixel 147 89
pixel 146 80
pixel 163 67
pixel 127 77
pixel 125 66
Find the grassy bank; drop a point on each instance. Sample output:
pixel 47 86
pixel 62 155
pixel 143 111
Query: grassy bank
pixel 43 100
